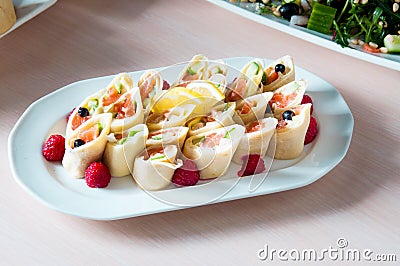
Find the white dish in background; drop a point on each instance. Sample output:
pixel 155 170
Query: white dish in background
pixel 28 9
pixel 246 10
pixel 50 183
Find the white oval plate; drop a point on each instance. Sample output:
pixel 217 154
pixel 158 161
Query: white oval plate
pixel 49 182
pixel 386 60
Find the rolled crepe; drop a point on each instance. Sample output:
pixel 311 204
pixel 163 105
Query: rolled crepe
pixel 290 134
pixel 220 116
pixel 127 111
pixel 252 108
pixel 122 149
pixel 7 15
pixel 196 69
pixel 155 167
pixel 283 78
pixel 120 84
pixel 94 133
pixel 92 104
pixel 287 96
pixel 174 117
pixel 212 151
pixel 150 85
pixel 217 67
pixel 256 139
pixel 219 80
pixel 248 82
pixel 167 136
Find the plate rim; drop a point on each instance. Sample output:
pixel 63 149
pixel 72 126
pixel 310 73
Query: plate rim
pixel 158 207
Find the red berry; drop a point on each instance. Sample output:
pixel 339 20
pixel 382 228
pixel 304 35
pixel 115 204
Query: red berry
pixel 312 131
pixel 70 113
pixel 165 85
pixel 252 164
pixel 186 175
pixel 54 148
pixel 97 175
pixel 307 99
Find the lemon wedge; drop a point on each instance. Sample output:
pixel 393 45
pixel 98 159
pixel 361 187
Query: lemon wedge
pixel 177 96
pixel 207 89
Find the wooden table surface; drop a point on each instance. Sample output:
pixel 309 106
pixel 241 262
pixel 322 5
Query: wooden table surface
pixel 73 40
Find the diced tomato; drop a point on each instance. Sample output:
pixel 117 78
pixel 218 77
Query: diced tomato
pixel 150 152
pixel 111 96
pixel 212 140
pixel 125 108
pixel 78 120
pixel 237 92
pixel 272 77
pixel 281 100
pixel 147 87
pixel 189 77
pixel 246 108
pixel 89 134
pixel 253 127
pixel 281 124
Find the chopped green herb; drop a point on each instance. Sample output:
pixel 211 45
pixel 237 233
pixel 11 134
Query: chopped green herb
pixel 198 140
pixel 219 71
pixel 93 104
pixel 157 157
pixel 119 88
pixel 226 107
pixel 191 71
pixel 133 133
pixel 156 137
pixel 122 141
pixel 229 133
pixel 100 125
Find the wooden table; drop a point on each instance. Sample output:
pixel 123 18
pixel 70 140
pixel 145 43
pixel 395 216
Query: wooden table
pixel 73 40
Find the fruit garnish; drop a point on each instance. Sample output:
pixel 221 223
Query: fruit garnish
pixel 54 148
pixel 97 175
pixel 312 131
pixel 186 175
pixel 307 99
pixel 252 164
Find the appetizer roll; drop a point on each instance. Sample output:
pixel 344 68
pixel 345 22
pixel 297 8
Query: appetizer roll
pixel 150 85
pixel 278 73
pixel 174 117
pixel 167 136
pixel 220 116
pixel 127 111
pixel 117 87
pixel 212 151
pixel 256 138
pixel 248 82
pixel 217 67
pixel 287 96
pixel 121 149
pixel 252 108
pixel 84 111
pixel 219 81
pixel 86 144
pixel 290 132
pixel 154 168
pixel 196 69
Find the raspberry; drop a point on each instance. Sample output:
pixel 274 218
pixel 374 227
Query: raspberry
pixel 165 85
pixel 70 113
pixel 54 148
pixel 307 99
pixel 312 131
pixel 252 164
pixel 186 175
pixel 97 175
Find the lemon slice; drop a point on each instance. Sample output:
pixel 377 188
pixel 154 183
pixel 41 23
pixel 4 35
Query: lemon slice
pixel 178 96
pixel 207 89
